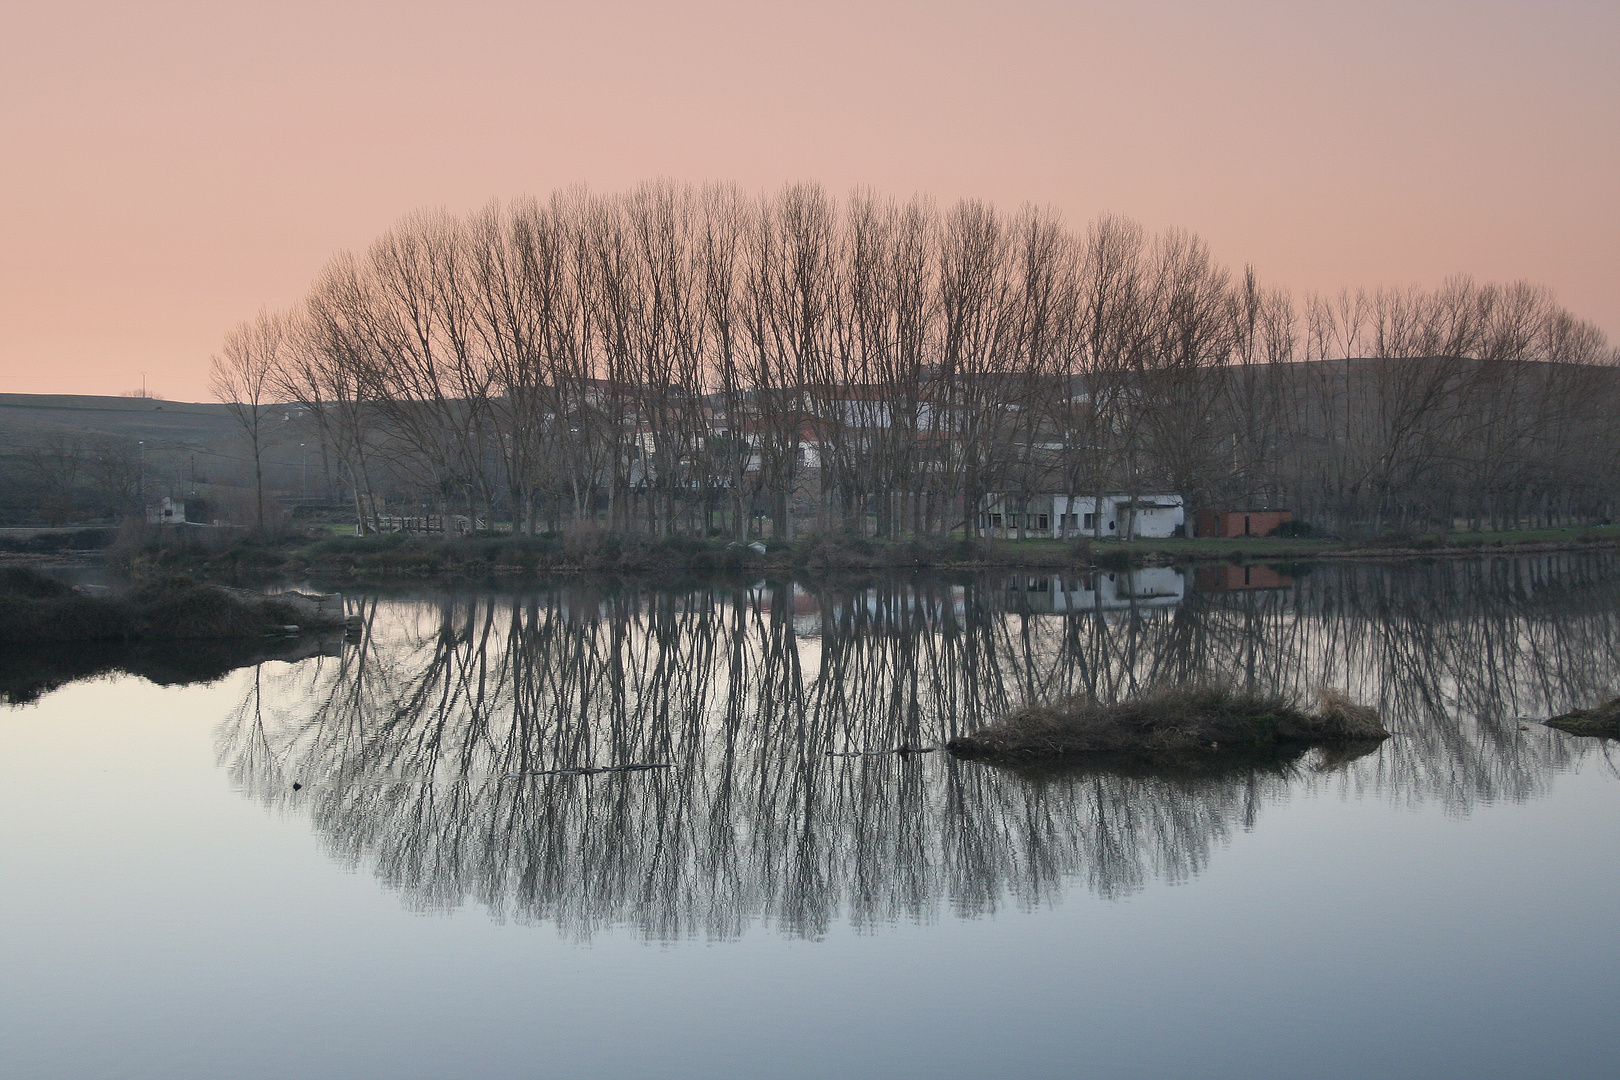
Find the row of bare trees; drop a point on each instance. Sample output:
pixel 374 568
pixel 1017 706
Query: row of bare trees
pixel 74 476
pixel 683 359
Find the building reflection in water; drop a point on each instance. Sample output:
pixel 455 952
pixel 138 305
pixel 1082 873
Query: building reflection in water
pixel 427 749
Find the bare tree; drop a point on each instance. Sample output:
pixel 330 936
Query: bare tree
pixel 243 378
pixel 56 465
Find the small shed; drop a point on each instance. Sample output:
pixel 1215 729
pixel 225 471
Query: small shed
pixel 1241 522
pixel 167 512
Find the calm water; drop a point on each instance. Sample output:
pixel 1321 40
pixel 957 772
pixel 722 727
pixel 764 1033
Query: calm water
pixel 437 900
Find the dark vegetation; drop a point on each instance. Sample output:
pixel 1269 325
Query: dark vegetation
pixel 35 608
pixel 28 672
pixel 1175 722
pixel 1600 722
pixel 48 543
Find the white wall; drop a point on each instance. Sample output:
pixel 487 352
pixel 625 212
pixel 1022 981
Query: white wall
pixel 1155 524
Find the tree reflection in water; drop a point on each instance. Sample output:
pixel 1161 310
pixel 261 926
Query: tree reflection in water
pixel 418 747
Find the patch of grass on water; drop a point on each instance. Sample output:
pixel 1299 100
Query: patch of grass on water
pixel 1177 720
pixel 1600 722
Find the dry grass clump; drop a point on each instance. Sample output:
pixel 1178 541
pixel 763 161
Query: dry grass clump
pixel 1175 720
pixel 1600 722
pixel 1344 720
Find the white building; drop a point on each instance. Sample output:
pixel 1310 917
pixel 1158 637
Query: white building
pixel 167 512
pixel 1067 516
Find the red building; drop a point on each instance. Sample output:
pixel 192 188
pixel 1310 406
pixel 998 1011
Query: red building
pixel 1238 578
pixel 1241 522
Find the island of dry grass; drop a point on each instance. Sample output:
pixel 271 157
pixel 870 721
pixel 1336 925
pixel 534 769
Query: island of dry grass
pixel 1177 721
pixel 1601 722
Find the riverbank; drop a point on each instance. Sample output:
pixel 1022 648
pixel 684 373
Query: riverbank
pixel 36 609
pixel 1387 546
pixel 400 556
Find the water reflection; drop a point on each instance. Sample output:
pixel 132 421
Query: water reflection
pixel 28 673
pixel 420 747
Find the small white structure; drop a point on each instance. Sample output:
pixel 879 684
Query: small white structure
pixel 167 512
pixel 1060 517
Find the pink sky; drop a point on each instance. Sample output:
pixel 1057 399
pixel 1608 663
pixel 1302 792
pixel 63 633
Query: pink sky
pixel 168 167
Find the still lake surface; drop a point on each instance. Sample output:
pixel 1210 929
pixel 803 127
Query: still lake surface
pixel 437 899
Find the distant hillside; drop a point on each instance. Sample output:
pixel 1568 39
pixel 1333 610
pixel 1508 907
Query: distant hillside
pixel 80 458
pixel 26 418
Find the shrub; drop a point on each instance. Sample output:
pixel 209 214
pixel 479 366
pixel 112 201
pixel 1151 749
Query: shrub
pixel 1113 559
pixel 29 584
pixel 134 536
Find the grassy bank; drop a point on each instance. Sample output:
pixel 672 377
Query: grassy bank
pixel 36 609
pixel 56 541
pixel 405 556
pixel 1176 721
pixel 1178 549
pixel 401 556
